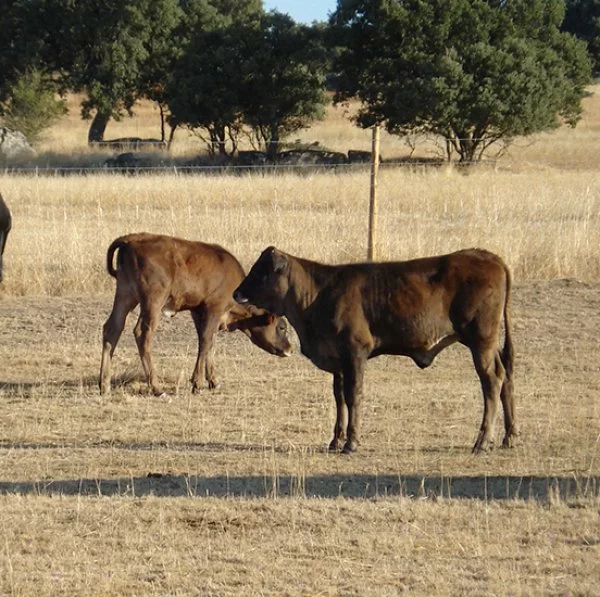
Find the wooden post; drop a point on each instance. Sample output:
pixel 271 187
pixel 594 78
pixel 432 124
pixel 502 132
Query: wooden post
pixel 371 254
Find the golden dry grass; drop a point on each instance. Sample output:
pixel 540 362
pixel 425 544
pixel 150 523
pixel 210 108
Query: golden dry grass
pixel 232 492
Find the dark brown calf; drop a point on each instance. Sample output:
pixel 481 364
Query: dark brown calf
pixel 5 226
pixel 346 314
pixel 166 274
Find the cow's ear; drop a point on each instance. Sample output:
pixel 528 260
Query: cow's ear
pixel 270 319
pixel 280 262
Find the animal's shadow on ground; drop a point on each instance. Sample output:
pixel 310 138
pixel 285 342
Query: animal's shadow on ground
pixel 316 486
pixel 133 382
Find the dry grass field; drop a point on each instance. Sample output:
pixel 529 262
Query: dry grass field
pixel 232 491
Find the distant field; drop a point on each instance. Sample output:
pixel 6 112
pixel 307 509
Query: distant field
pixel 232 492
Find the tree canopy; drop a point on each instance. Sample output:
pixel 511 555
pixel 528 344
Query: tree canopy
pixel 283 79
pixel 114 47
pixel 265 73
pixel 472 71
pixel 582 19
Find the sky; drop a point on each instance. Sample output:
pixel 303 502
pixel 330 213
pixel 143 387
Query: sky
pixel 303 11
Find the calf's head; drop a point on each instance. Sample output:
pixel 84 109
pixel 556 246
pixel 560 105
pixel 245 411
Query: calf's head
pixel 266 283
pixel 267 331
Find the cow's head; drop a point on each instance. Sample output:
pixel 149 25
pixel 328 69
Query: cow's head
pixel 266 283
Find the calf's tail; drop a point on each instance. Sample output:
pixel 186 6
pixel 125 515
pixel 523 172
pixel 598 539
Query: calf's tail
pixel 117 244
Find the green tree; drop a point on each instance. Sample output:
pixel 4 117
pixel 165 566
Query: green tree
pixel 283 79
pixel 32 105
pixel 200 93
pixel 21 43
pixel 263 72
pixel 164 47
pixel 28 81
pixel 582 19
pixel 109 49
pixel 473 71
pixel 204 92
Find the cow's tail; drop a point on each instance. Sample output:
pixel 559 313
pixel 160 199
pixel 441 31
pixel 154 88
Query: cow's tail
pixel 508 353
pixel 116 245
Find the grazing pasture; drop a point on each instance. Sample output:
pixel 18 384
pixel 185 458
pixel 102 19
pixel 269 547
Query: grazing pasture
pixel 232 491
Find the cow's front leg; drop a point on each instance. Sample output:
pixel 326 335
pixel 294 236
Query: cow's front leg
pixel 352 378
pixel 341 417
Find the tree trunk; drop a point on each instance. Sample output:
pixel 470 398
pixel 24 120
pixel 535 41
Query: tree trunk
pixel 162 121
pixel 468 147
pixel 273 147
pixel 171 136
pixel 221 140
pixel 98 126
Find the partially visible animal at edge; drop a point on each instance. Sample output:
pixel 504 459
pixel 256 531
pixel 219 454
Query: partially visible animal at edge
pixel 5 226
pixel 168 275
pixel 346 314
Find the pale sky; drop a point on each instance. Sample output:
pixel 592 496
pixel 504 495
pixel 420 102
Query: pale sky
pixel 303 11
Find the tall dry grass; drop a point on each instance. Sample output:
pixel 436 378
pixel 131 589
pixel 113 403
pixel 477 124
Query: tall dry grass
pixel 545 224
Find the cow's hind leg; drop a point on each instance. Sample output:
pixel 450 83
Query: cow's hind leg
pixel 491 375
pixel 341 418
pixel 508 405
pixel 144 332
pixel 111 332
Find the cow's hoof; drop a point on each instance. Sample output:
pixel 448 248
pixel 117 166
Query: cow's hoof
pixel 213 385
pixel 350 448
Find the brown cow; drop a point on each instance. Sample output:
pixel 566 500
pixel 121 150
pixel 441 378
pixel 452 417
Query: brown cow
pixel 346 314
pixel 5 226
pixel 166 274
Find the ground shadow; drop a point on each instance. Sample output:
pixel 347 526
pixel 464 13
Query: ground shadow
pixel 319 486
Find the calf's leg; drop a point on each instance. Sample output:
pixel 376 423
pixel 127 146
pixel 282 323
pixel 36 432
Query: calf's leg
pixel 207 325
pixel 144 331
pixel 111 332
